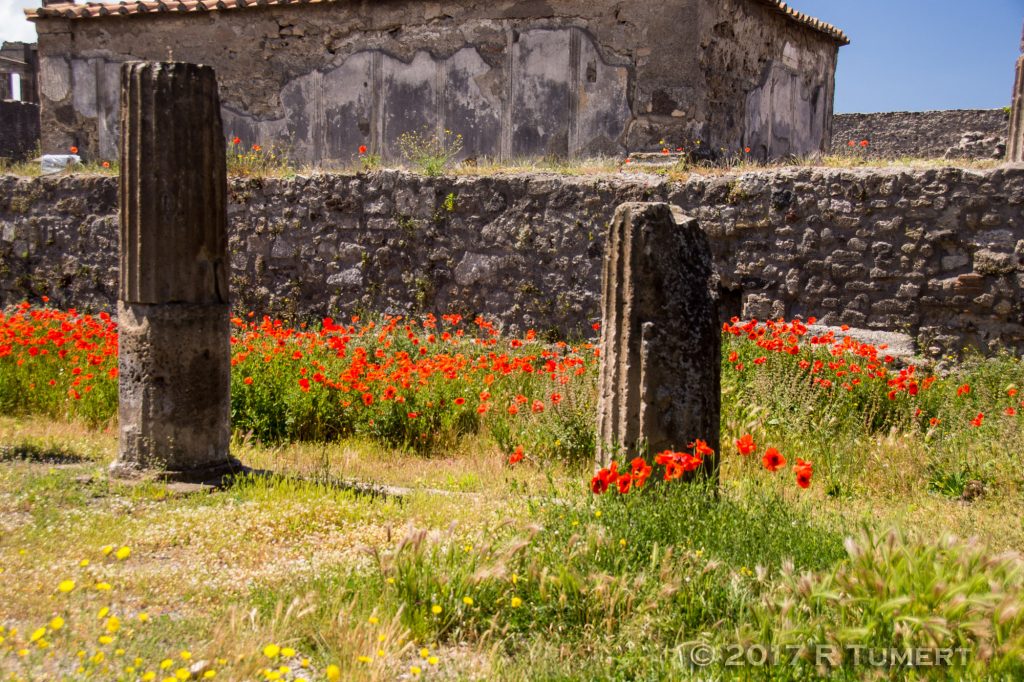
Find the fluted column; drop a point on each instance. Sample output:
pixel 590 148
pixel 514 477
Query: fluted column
pixel 1015 143
pixel 660 381
pixel 173 312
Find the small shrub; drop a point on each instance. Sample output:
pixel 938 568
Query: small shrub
pixel 429 152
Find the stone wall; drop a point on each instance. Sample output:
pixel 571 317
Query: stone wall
pixel 955 134
pixel 19 129
pixel 936 253
pixel 516 78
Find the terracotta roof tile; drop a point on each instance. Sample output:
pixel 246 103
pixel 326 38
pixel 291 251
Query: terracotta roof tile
pixel 72 10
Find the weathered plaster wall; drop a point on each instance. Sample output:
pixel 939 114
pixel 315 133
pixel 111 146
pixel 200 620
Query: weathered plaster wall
pixel 514 77
pixel 19 129
pixel 954 134
pixel 937 253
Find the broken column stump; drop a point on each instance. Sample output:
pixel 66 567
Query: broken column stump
pixel 1015 142
pixel 174 346
pixel 660 383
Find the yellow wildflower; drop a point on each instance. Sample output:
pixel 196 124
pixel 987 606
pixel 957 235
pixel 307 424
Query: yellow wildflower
pixel 107 549
pixel 415 671
pixel 432 660
pixel 436 610
pixel 333 673
pixel 66 586
pixel 287 652
pixel 57 623
pixel 103 587
pixel 516 602
pixel 38 634
pixel 271 651
pixel 123 553
pixel 364 659
pixel 468 601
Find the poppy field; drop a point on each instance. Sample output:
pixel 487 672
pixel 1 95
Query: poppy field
pixel 864 501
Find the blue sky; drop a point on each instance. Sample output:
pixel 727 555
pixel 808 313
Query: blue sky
pixel 907 55
pixel 918 55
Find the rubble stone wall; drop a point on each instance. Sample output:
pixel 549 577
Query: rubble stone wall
pixel 954 134
pixel 935 253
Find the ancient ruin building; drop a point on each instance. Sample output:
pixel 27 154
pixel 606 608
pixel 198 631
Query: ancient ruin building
pixel 516 78
pixel 18 62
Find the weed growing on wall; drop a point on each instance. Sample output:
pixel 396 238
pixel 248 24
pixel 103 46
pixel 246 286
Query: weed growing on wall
pixel 429 152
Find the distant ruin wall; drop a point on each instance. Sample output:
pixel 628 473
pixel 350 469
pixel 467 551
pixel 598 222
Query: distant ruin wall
pixel 936 253
pixel 954 134
pixel 518 78
pixel 19 129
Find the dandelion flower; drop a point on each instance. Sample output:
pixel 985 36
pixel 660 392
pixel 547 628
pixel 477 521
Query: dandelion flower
pixel 143 617
pixel 424 652
pixel 271 651
pixel 468 601
pixel 166 663
pixel 433 660
pixel 333 673
pixel 37 635
pixel 516 602
pixel 436 610
pixel 364 659
pixel 415 670
pixel 57 623
pixel 287 652
pixel 106 549
pixel 374 620
pixel 123 553
pixel 103 587
pixel 83 563
pixel 66 586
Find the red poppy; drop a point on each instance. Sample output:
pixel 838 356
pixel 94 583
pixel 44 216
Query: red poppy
pixel 963 390
pixel 517 455
pixel 864 143
pixel 804 471
pixel 236 140
pixel 367 399
pixel 556 398
pixel 746 150
pixel 773 460
pixel 362 149
pixel 1010 412
pixel 74 150
pixel 256 148
pixel 106 164
pixel 304 384
pixel 625 482
pixel 247 381
pixel 537 407
pixel 745 444
pixel 976 422
pixel 460 401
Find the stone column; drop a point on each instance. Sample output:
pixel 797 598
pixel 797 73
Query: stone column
pixel 1015 143
pixel 174 345
pixel 660 383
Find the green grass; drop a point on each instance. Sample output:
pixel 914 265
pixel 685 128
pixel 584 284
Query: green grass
pixel 532 576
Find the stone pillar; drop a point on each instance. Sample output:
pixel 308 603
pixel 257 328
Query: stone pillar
pixel 1015 143
pixel 660 383
pixel 174 345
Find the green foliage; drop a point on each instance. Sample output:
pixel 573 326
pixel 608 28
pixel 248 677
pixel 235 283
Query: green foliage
pixel 899 592
pixel 429 152
pixel 256 161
